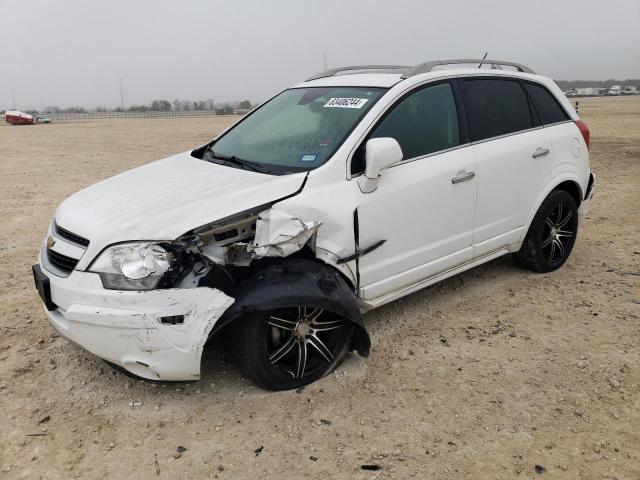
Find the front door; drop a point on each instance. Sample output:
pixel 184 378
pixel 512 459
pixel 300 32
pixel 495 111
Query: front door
pixel 424 206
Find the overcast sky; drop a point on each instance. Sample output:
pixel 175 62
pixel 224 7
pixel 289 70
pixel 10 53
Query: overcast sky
pixel 73 52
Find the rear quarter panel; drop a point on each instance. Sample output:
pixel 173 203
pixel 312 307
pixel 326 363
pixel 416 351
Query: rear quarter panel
pixel 570 158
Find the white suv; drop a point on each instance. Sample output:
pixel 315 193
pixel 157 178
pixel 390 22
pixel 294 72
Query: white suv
pixel 345 192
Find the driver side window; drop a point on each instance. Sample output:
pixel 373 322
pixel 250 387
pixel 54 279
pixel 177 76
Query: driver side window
pixel 423 122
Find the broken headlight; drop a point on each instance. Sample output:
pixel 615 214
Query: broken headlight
pixel 133 266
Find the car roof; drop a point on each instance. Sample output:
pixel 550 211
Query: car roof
pixel 385 76
pixel 385 80
pixel 388 80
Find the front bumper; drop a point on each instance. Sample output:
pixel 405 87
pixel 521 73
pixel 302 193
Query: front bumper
pixel 585 205
pixel 125 328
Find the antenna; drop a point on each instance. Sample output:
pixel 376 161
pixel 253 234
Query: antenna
pixel 121 93
pixel 485 56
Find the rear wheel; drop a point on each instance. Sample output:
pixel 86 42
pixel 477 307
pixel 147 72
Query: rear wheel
pixel 551 235
pixel 291 347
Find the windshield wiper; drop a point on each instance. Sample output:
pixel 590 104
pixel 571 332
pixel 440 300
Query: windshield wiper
pixel 242 163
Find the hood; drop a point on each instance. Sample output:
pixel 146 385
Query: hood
pixel 164 199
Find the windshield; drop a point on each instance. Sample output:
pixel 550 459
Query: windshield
pixel 297 130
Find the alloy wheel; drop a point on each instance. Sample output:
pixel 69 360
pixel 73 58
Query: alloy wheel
pixel 303 340
pixel 558 233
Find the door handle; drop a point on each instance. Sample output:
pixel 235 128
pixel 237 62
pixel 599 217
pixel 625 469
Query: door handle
pixel 463 176
pixel 540 152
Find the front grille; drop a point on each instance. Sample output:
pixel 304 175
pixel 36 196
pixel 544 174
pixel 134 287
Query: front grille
pixel 64 263
pixel 70 236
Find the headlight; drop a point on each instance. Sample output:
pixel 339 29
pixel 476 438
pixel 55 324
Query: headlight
pixel 133 266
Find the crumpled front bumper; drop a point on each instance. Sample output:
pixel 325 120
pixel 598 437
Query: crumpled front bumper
pixel 126 328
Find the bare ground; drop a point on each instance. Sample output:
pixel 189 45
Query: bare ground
pixel 485 375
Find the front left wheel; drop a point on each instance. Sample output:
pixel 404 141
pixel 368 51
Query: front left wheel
pixel 290 347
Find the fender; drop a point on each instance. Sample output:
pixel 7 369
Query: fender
pixel 332 205
pixel 557 179
pixel 290 282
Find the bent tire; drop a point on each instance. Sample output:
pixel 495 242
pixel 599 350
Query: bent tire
pixel 294 322
pixel 551 235
pixel 291 347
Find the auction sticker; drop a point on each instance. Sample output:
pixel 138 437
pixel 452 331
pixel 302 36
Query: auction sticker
pixel 344 102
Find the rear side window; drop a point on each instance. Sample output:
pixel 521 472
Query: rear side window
pixel 423 122
pixel 495 107
pixel 549 111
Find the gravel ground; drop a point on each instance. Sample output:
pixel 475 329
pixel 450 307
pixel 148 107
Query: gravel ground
pixel 495 373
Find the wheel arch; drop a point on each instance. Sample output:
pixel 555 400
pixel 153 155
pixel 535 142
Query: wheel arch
pixel 569 182
pixel 291 281
pixel 573 189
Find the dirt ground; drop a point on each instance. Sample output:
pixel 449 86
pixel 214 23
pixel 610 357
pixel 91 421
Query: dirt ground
pixel 496 373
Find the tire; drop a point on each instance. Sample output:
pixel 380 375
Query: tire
pixel 551 235
pixel 291 347
pixel 293 304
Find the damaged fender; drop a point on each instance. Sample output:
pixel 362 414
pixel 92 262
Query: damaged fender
pixel 279 234
pixel 295 282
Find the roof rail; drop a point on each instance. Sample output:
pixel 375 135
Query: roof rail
pixel 428 66
pixel 334 71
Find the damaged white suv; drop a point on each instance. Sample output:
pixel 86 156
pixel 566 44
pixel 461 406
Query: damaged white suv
pixel 340 194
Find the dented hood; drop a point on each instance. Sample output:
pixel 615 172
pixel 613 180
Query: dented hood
pixel 164 199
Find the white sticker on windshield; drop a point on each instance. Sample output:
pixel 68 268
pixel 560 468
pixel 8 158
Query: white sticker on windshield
pixel 342 102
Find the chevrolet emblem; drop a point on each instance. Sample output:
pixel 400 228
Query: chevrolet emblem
pixel 50 242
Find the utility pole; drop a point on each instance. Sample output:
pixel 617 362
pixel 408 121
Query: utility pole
pixel 121 93
pixel 325 63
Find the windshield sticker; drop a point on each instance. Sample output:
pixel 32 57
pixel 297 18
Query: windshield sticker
pixel 342 102
pixel 309 157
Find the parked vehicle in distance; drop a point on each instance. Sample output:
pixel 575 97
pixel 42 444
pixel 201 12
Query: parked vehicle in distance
pixel 629 90
pixel 615 90
pixel 345 192
pixel 15 117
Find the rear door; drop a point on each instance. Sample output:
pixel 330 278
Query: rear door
pixel 514 159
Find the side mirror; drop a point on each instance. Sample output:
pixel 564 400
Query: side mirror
pixel 380 153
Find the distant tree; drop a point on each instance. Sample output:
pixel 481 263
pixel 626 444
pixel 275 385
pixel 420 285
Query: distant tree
pixel 138 108
pixel 160 106
pixel 209 104
pixel 77 109
pixel 182 105
pixel 245 105
pixel 51 109
pixel 101 109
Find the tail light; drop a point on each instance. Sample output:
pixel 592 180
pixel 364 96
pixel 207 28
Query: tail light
pixel 584 130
